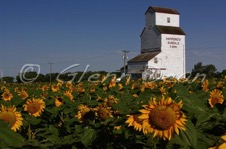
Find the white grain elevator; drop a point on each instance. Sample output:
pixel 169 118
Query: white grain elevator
pixel 162 46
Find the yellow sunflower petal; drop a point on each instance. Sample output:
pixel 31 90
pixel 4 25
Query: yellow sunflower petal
pixel 223 138
pixel 176 130
pixel 155 133
pixel 144 111
pixel 143 116
pixel 222 146
pixel 165 134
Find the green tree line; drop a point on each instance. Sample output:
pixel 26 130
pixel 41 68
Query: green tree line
pixel 78 76
pixel 208 70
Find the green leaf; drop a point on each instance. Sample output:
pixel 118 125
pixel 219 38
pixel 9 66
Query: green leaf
pixel 52 110
pixel 53 130
pixel 190 134
pixel 32 120
pixel 187 138
pixel 205 140
pixel 204 117
pixel 192 103
pixel 10 138
pixel 69 110
pixel 88 136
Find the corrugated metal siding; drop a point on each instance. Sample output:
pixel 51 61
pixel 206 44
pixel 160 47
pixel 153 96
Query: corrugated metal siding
pixel 150 39
pixel 170 30
pixel 144 57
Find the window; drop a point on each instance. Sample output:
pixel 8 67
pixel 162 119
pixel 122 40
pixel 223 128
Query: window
pixel 168 19
pixel 150 27
pixel 155 60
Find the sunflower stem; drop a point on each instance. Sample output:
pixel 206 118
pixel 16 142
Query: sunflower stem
pixel 29 132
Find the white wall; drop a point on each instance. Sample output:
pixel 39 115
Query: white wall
pixel 161 19
pixel 173 53
pixel 172 57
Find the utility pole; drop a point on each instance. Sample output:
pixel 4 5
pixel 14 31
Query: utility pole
pixel 50 72
pixel 125 57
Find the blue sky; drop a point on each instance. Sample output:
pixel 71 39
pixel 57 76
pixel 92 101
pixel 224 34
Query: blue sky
pixel 88 32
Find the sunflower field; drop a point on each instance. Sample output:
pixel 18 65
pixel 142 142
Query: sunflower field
pixel 161 114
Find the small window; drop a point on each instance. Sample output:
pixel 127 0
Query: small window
pixel 168 20
pixel 150 27
pixel 155 60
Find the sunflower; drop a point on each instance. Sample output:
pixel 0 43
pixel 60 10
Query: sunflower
pixel 11 116
pixel 163 90
pixel 16 89
pixel 127 80
pixel 55 87
pixel 69 84
pixel 103 112
pixel 92 89
pixel 150 85
pixel 58 102
pixel 99 98
pixel 68 94
pixel 135 122
pixel 60 83
pixel 34 107
pixel 183 80
pixel 205 86
pixel 44 95
pixel 135 95
pixel 4 88
pixel 220 84
pixel 23 94
pixel 45 88
pixel 7 96
pixel 216 97
pixel 120 87
pixel 110 100
pixel 83 111
pixel 117 127
pixel 221 146
pixel 105 88
pixel 112 83
pixel 169 82
pixel 162 118
pixel 135 86
pixel 80 88
pixel 103 78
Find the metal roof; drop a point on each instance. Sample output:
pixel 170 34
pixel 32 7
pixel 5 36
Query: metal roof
pixel 144 57
pixel 170 30
pixel 163 10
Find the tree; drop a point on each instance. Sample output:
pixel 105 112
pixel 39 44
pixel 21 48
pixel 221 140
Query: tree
pixel 31 76
pixel 209 70
pixel 198 68
pixel 8 79
pixel 223 72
